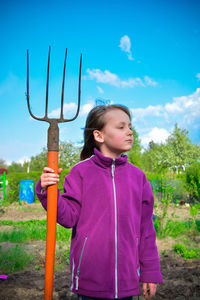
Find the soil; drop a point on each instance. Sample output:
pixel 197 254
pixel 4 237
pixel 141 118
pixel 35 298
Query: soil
pixel 181 278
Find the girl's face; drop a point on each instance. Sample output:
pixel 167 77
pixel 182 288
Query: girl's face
pixel 116 136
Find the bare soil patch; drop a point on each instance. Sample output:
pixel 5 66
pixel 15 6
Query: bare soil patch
pixel 22 212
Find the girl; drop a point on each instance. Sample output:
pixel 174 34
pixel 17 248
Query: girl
pixel 109 204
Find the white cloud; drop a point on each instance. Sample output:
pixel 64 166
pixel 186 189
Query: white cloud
pixel 69 109
pixel 188 106
pixel 150 81
pixel 86 108
pixel 198 76
pixel 157 135
pixel 141 113
pixel 185 107
pixel 107 77
pixel 125 45
pixel 154 122
pixel 100 90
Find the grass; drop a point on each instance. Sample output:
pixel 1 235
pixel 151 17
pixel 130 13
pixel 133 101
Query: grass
pixel 177 228
pixel 14 259
pixel 31 230
pixel 186 252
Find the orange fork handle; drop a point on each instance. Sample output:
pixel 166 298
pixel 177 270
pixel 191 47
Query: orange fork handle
pixel 52 193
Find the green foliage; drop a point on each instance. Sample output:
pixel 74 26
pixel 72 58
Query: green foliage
pixel 3 163
pixel 38 162
pixel 162 214
pixel 62 257
pixel 31 230
pixel 134 155
pixel 187 253
pixel 17 168
pixel 174 155
pixel 194 210
pixel 183 151
pixel 13 184
pixel 172 228
pixel 193 181
pixel 14 179
pixel 13 259
pixel 155 158
pixel 68 156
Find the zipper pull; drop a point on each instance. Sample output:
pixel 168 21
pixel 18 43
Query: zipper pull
pixel 77 278
pixel 113 168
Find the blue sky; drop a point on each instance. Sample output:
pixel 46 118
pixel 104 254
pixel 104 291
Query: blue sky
pixel 143 54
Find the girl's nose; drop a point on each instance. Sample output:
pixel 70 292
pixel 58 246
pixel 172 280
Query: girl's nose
pixel 130 132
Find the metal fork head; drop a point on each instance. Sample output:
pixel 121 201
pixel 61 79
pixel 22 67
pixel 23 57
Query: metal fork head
pixel 53 131
pixel 46 118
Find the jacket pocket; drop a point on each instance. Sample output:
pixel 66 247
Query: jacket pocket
pixel 79 263
pixel 137 256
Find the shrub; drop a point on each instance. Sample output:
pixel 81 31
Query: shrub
pixel 14 179
pixel 187 253
pixel 14 259
pixel 193 181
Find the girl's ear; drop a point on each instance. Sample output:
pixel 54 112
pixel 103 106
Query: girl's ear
pixel 98 136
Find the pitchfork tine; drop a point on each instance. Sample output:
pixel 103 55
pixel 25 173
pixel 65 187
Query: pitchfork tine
pixel 63 86
pixel 79 92
pixel 46 118
pixel 47 89
pixel 27 94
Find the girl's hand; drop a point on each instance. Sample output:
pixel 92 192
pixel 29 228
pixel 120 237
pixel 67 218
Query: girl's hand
pixel 49 177
pixel 149 290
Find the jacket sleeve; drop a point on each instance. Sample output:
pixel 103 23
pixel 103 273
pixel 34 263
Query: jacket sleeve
pixel 69 203
pixel 148 252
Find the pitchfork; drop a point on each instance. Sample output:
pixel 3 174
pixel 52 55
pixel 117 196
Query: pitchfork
pixel 52 191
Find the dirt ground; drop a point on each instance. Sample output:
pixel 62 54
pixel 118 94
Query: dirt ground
pixel 181 277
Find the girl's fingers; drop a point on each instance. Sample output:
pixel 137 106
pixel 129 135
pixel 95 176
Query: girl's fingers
pixel 48 177
pixel 60 170
pixel 149 290
pixel 48 170
pixel 144 287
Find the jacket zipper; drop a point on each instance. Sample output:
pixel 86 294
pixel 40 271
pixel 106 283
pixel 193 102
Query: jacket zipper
pixel 73 267
pixel 137 245
pixel 80 259
pixel 115 205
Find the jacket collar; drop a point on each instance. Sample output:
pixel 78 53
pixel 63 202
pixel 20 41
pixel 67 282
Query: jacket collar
pixel 104 161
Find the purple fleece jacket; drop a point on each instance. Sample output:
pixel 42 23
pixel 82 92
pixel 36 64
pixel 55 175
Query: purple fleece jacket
pixel 109 204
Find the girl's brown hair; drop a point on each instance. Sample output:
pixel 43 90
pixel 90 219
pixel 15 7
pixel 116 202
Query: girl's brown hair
pixel 96 121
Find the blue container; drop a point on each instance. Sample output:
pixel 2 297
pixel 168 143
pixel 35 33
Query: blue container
pixel 26 191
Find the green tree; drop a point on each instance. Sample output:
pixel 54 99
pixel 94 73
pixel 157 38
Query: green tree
pixel 177 153
pixel 193 181
pixel 16 167
pixel 181 151
pixel 154 158
pixel 134 155
pixel 68 157
pixel 38 162
pixel 2 163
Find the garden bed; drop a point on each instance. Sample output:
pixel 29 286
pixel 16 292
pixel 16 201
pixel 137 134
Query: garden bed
pixel 181 277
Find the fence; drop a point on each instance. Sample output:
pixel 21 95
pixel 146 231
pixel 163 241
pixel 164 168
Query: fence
pixel 2 187
pixel 159 187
